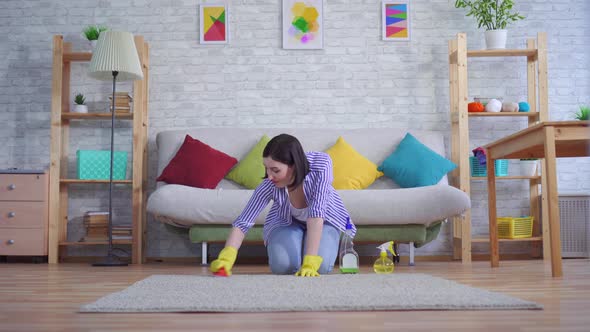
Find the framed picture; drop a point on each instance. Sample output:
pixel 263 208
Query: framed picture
pixel 214 20
pixel 395 18
pixel 303 24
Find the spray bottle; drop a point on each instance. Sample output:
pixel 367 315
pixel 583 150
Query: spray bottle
pixel 384 265
pixel 349 259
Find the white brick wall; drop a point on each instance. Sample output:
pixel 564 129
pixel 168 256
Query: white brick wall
pixel 357 80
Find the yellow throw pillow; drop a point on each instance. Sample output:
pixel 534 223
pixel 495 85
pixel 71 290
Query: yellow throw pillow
pixel 351 169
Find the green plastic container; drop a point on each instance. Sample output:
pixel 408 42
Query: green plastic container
pixel 95 164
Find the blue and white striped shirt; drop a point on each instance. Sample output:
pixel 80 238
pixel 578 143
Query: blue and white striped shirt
pixel 322 200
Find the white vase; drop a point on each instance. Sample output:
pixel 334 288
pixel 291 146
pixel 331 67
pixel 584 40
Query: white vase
pixel 80 108
pixel 496 39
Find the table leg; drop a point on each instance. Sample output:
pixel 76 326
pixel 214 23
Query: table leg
pixel 552 198
pixel 494 245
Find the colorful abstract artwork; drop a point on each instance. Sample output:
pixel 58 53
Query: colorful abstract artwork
pixel 214 24
pixel 303 24
pixel 396 20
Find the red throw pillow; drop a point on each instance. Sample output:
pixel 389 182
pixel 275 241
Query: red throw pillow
pixel 196 164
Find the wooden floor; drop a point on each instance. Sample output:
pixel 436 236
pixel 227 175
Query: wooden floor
pixel 41 297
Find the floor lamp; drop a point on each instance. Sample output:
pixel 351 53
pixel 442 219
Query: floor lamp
pixel 114 58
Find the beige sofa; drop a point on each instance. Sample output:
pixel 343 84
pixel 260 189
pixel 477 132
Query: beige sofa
pixel 381 212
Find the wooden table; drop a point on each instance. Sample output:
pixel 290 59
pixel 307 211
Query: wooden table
pixel 548 140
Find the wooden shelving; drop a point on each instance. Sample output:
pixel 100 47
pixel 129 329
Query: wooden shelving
pixel 96 116
pixel 537 97
pixel 77 57
pixel 526 239
pixel 514 177
pixel 93 243
pixel 78 181
pixel 500 114
pixel 61 117
pixel 501 53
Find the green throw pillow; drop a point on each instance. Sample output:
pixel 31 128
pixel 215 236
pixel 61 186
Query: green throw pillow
pixel 413 164
pixel 249 172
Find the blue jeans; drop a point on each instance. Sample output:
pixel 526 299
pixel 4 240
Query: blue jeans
pixel 286 245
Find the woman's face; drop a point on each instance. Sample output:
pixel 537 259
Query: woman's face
pixel 280 174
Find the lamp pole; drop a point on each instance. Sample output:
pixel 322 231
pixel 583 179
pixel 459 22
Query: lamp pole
pixel 110 259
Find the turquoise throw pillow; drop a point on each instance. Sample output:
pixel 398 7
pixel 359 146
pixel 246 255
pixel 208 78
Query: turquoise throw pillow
pixel 413 164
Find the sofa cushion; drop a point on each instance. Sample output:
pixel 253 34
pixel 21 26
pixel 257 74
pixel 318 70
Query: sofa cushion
pixel 196 164
pixel 422 205
pixel 351 169
pixel 250 170
pixel 413 164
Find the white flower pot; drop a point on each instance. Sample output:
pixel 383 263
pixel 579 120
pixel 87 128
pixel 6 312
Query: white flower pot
pixel 496 39
pixel 80 108
pixel 528 167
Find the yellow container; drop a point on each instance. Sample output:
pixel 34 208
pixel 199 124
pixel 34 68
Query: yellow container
pixel 515 228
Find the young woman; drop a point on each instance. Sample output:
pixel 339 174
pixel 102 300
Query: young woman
pixel 306 217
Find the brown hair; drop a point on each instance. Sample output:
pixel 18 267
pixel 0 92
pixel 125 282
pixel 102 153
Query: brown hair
pixel 286 149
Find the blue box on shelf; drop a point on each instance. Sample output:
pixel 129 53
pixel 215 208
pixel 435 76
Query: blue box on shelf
pixel 477 170
pixel 95 164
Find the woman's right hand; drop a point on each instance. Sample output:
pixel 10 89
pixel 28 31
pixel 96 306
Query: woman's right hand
pixel 225 260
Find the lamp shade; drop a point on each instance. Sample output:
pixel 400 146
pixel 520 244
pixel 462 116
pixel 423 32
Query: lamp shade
pixel 115 51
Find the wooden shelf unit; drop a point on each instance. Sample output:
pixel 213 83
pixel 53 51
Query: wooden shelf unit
pixel 96 116
pixel 537 97
pixel 61 116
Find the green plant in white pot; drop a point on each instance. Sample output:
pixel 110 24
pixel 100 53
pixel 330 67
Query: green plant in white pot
pixel 80 104
pixel 92 32
pixel 494 16
pixel 528 166
pixel 583 113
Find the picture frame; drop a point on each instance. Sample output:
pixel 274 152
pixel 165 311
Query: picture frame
pixel 214 24
pixel 396 20
pixel 303 24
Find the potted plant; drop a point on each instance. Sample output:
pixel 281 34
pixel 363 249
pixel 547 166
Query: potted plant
pixel 494 16
pixel 80 104
pixel 528 166
pixel 583 113
pixel 92 32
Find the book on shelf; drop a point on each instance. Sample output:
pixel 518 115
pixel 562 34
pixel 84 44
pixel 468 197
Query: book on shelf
pixel 94 238
pixel 96 213
pixel 121 237
pixel 121 95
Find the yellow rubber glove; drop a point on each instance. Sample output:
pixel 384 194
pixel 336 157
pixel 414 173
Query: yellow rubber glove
pixel 311 265
pixel 225 260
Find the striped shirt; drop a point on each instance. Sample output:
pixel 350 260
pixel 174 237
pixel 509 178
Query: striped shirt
pixel 322 200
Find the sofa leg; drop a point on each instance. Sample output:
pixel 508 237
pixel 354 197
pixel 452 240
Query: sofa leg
pixel 412 254
pixel 203 253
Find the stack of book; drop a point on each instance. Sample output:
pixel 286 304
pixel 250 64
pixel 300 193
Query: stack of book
pixel 97 226
pixel 122 102
pixel 122 232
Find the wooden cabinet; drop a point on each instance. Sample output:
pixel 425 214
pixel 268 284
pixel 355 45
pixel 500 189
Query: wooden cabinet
pixel 23 214
pixel 62 118
pixel 537 97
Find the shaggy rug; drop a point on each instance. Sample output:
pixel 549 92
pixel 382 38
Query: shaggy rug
pixel 265 293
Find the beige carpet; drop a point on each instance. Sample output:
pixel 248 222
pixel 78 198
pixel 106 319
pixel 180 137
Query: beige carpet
pixel 266 293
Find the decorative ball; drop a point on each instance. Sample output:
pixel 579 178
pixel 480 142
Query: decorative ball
pixel 509 107
pixel 475 107
pixel 523 106
pixel 494 105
